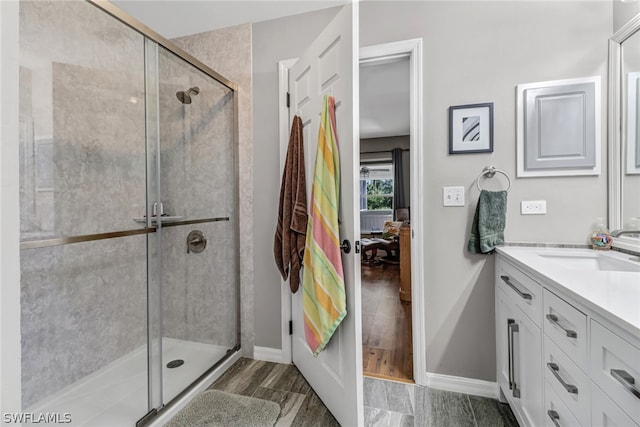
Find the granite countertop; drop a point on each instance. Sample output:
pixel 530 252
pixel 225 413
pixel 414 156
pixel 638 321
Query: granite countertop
pixel 615 295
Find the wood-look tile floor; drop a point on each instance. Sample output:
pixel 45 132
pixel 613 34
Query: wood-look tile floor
pixel 387 348
pixel 394 404
pixel 283 384
pixel 386 403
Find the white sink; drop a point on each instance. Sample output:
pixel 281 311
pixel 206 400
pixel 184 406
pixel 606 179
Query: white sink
pixel 594 261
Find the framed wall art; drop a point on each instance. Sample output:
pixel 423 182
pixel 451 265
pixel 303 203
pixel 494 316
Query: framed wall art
pixel 558 128
pixel 471 128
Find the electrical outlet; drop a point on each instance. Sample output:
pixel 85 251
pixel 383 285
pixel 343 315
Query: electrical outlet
pixel 533 207
pixel 452 196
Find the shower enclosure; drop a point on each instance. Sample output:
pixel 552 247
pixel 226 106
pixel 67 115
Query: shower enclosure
pixel 129 215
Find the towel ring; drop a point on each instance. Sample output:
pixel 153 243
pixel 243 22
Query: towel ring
pixel 490 171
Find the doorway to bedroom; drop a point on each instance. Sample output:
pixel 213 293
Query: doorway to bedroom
pixel 385 218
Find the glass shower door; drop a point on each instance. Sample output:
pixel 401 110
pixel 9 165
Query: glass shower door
pixel 125 150
pixel 196 215
pixel 82 181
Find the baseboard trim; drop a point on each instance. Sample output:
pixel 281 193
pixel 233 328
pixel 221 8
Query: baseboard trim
pixel 267 354
pixel 463 385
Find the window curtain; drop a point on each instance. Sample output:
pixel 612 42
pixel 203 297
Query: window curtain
pixel 398 181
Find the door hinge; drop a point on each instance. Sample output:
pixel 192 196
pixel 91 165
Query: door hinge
pixel 288 100
pixel 290 327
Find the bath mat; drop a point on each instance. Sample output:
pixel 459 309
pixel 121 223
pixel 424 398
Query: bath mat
pixel 214 408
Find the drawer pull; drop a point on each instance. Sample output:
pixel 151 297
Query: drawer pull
pixel 555 370
pixel 554 319
pixel 512 327
pixel 554 417
pixel 506 280
pixel 626 380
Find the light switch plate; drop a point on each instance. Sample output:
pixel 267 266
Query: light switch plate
pixel 452 196
pixel 533 207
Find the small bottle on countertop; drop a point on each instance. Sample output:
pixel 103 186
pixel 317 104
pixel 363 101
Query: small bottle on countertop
pixel 600 238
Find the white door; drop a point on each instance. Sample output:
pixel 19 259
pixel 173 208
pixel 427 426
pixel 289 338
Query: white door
pixel 329 66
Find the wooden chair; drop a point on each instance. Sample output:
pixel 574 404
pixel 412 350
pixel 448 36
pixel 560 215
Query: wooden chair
pixel 391 247
pixel 389 243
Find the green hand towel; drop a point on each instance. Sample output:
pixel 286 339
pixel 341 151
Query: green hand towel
pixel 487 230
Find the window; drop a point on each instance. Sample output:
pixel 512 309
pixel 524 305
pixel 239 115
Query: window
pixel 376 187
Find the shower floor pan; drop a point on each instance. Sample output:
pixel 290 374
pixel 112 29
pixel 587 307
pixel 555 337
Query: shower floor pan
pixel 116 395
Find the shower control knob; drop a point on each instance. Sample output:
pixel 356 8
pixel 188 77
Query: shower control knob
pixel 196 242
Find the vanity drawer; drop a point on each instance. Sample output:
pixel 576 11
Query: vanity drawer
pixel 570 384
pixel 526 292
pixel 554 409
pixel 567 327
pixel 615 368
pixel 605 413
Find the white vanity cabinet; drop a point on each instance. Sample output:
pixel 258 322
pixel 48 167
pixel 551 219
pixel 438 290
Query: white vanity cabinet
pixel 519 343
pixel 615 369
pixel 561 359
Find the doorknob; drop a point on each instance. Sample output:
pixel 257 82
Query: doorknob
pixel 346 246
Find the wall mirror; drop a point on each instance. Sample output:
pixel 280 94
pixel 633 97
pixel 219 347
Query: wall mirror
pixel 624 134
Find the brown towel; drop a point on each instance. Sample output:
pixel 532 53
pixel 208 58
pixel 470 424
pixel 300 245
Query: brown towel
pixel 288 246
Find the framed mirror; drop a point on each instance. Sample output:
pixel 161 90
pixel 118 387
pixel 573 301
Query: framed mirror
pixel 624 135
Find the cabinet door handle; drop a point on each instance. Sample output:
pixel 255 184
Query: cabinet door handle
pixel 510 352
pixel 626 380
pixel 554 319
pixel 555 369
pixel 512 327
pixel 554 417
pixel 506 280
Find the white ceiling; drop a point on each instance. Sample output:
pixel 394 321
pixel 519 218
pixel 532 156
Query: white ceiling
pixel 384 88
pixel 176 18
pixel 384 99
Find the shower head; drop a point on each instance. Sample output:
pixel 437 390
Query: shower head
pixel 185 97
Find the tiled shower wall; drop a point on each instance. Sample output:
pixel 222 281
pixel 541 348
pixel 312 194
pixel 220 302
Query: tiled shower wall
pixel 83 160
pixel 196 140
pixel 228 51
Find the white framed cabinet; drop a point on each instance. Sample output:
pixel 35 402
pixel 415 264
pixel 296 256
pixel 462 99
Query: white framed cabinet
pixel 519 351
pixel 561 360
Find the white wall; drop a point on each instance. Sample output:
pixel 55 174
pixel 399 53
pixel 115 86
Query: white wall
pixel 9 212
pixel 272 41
pixel 476 52
pixel 623 11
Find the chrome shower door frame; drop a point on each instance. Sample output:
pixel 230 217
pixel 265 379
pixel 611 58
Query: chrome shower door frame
pixel 155 300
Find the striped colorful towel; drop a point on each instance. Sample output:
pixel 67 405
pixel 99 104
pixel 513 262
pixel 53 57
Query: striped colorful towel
pixel 323 297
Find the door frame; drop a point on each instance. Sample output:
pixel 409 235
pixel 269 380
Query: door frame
pixel 383 52
pixel 283 123
pixel 380 54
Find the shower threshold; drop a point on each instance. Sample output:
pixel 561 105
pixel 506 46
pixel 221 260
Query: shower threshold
pixel 116 395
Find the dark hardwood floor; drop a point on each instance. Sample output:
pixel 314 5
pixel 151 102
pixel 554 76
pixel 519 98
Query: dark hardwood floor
pixel 386 325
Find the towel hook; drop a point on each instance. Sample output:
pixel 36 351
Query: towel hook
pixel 489 172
